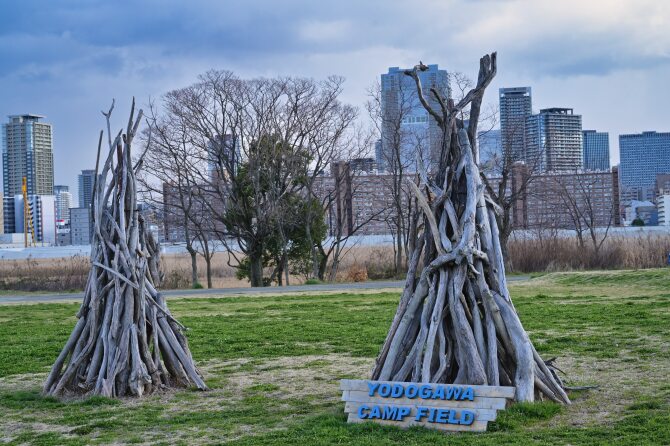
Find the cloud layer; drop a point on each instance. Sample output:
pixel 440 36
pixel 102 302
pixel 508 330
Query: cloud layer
pixel 607 59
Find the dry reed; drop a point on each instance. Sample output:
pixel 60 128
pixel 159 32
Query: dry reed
pixel 360 263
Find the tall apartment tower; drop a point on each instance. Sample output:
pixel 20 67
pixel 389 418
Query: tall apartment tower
pixel 406 125
pixel 63 203
pixel 27 151
pixel 86 184
pixel 554 140
pixel 595 150
pixel 642 157
pixel 491 159
pixel 516 104
pixel 223 155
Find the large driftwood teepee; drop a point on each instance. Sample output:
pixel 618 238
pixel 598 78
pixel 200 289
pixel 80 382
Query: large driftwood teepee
pixel 126 342
pixel 455 322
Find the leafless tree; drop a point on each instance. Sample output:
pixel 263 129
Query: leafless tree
pixel 507 178
pixel 171 182
pixel 347 181
pixel 263 140
pixel 203 228
pixel 391 112
pixel 332 137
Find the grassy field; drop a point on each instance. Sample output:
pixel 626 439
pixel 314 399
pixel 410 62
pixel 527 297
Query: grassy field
pixel 273 364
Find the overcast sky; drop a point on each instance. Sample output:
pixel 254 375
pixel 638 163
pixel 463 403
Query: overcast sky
pixel 66 59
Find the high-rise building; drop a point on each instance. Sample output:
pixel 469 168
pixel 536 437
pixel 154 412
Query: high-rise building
pixel 379 155
pixel 366 165
pixel 27 151
pixel 81 226
pixel 554 140
pixel 407 128
pixel 516 103
pixel 86 185
pixel 223 155
pixel 63 203
pixel 595 150
pixel 490 147
pixel 43 213
pixel 642 157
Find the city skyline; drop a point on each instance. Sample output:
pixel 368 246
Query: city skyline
pixel 56 62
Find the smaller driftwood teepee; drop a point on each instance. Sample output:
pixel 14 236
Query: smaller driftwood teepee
pixel 126 342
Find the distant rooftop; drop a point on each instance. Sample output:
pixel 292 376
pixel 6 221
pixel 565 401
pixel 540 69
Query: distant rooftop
pixel 559 110
pixel 27 116
pixel 431 67
pixel 525 91
pixel 644 133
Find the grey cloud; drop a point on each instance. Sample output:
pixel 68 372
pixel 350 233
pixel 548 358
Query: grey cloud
pixel 67 58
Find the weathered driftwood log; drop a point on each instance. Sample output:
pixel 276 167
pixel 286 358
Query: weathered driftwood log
pixel 455 322
pixel 126 342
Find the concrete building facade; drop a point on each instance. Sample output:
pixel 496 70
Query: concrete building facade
pixel 172 220
pixel 554 140
pixel 63 203
pixel 663 206
pixel 361 197
pixel 81 226
pixel 553 200
pixel 27 151
pixel 357 201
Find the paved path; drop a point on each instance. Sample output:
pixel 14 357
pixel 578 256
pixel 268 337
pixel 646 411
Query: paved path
pixel 223 292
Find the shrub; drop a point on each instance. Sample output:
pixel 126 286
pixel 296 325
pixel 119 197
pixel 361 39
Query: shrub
pixel 357 273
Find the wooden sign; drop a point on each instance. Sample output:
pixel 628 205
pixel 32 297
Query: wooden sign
pixel 446 407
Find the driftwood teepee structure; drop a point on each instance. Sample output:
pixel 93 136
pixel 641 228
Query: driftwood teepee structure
pixel 126 342
pixel 455 322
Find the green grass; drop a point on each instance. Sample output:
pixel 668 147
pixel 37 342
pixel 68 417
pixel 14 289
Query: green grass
pixel 607 328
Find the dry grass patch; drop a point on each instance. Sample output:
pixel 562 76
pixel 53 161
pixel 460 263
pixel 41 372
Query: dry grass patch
pixel 265 395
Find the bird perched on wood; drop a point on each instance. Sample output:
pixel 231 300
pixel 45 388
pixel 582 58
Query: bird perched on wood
pixel 422 67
